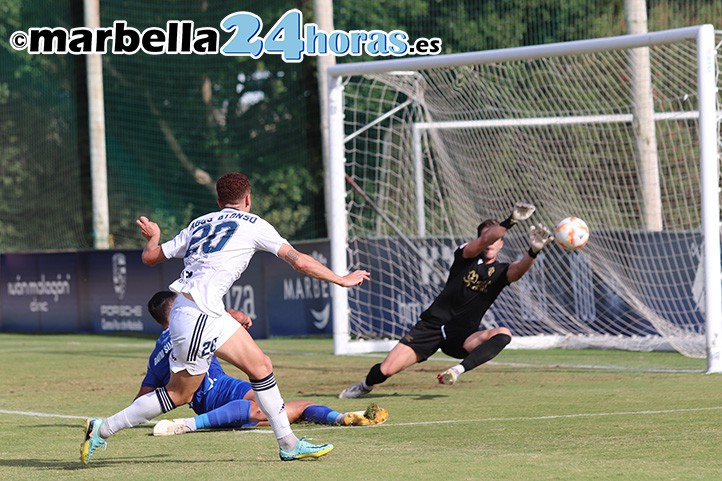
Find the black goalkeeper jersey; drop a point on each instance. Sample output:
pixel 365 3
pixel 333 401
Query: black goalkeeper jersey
pixel 472 287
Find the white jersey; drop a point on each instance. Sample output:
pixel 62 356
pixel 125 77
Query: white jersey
pixel 216 248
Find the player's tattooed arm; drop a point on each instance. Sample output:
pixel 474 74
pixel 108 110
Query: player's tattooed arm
pixel 292 257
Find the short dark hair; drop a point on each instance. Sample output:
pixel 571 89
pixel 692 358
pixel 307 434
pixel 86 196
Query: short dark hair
pixel 232 187
pixel 484 224
pixel 159 306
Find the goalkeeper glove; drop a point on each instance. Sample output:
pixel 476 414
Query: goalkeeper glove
pixel 522 211
pixel 539 237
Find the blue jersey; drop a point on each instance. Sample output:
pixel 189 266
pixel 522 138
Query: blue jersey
pixel 158 371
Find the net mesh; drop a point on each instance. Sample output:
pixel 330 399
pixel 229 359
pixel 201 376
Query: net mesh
pixel 557 132
pixel 175 123
pixel 43 201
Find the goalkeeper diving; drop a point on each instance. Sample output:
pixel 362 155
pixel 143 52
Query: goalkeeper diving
pixel 452 321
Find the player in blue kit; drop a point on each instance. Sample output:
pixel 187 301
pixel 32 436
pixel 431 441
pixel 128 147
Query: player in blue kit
pixel 216 249
pixel 223 401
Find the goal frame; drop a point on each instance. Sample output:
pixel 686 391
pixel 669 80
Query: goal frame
pixel 335 177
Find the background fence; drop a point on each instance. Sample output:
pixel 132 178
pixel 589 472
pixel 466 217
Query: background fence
pixel 176 122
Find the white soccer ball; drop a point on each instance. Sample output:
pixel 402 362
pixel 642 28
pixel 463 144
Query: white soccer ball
pixel 572 233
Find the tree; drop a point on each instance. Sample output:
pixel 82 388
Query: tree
pixel 41 204
pixel 176 123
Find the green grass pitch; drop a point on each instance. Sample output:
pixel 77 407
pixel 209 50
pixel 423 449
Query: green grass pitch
pixel 527 415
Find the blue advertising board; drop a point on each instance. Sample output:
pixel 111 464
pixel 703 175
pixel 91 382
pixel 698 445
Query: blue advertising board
pixel 118 286
pixel 297 304
pixel 107 291
pixel 248 294
pixel 40 293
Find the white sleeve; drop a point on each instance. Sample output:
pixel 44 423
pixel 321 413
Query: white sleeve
pixel 267 238
pixel 177 246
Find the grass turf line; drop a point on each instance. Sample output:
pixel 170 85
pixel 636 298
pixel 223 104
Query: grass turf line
pixel 531 415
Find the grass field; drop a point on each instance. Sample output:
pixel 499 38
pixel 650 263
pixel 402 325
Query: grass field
pixel 528 415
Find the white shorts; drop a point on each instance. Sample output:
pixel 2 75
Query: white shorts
pixel 196 336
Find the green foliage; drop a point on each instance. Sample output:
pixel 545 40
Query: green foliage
pixel 470 25
pixel 127 234
pixel 175 121
pixel 171 117
pixel 41 199
pixel 278 197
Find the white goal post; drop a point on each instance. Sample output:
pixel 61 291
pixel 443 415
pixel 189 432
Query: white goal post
pixel 423 149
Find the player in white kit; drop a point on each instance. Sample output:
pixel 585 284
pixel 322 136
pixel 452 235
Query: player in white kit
pixel 216 249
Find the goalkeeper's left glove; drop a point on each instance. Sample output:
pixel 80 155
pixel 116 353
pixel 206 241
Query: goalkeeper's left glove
pixel 522 211
pixel 539 237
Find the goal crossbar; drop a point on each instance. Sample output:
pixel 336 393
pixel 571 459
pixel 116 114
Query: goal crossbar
pixel 523 53
pixel 546 121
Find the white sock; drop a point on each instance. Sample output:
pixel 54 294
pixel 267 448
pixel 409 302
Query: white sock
pixel 142 410
pixel 459 369
pixel 271 403
pixel 190 423
pixel 366 386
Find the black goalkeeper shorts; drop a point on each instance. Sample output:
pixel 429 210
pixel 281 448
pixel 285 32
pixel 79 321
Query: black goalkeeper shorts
pixel 426 338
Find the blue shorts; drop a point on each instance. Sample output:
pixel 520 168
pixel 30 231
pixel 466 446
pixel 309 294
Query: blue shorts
pixel 225 389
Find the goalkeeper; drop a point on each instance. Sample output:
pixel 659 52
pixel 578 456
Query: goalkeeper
pixel 224 401
pixel 452 321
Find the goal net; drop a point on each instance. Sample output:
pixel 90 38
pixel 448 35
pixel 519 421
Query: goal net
pixel 621 132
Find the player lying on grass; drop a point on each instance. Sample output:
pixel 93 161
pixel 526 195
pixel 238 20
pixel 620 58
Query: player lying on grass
pixel 223 401
pixel 452 321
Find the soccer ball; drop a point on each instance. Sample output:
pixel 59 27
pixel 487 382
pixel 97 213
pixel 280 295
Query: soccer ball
pixel 572 233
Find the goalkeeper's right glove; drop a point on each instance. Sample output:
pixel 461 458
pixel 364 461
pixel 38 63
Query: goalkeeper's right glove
pixel 539 237
pixel 522 211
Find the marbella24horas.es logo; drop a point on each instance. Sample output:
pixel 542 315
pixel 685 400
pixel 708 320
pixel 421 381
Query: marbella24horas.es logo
pixel 289 37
